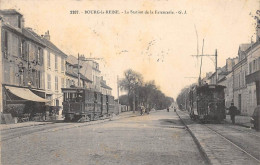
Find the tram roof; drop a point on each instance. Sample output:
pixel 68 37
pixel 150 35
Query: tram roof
pixel 211 86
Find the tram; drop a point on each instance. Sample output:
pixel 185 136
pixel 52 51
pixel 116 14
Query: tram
pixel 207 103
pixel 80 104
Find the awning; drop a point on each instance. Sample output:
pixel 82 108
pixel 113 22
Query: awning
pixel 26 94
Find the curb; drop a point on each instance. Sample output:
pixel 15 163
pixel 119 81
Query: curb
pixel 27 126
pixel 239 124
pixel 202 151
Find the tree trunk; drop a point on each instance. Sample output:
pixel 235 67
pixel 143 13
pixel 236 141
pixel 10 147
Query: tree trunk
pixel 134 103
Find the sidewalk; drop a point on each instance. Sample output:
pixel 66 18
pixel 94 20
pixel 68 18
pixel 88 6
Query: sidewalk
pixel 33 123
pixel 215 149
pixel 240 120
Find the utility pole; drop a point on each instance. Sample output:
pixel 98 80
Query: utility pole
pixel 78 72
pixel 216 64
pixel 117 89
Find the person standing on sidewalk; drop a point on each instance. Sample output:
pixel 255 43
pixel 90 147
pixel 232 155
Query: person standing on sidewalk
pixel 233 112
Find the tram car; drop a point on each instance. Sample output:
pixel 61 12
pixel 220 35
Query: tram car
pixel 80 104
pixel 207 103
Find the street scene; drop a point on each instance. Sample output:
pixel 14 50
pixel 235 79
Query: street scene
pixel 123 82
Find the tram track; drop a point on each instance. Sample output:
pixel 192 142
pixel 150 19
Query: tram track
pixel 233 143
pixel 239 145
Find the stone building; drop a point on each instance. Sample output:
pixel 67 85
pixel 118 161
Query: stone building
pixel 253 70
pixel 105 89
pixel 72 74
pixel 54 69
pixel 239 80
pixel 22 64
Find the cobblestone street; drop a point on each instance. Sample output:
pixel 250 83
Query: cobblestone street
pixel 158 138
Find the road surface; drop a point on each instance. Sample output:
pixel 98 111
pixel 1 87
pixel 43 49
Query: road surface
pixel 157 138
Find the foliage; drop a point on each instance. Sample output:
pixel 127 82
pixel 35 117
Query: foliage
pixel 183 97
pixel 142 93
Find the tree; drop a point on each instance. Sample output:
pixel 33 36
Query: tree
pixel 143 93
pixel 132 80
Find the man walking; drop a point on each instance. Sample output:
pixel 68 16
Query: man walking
pixel 233 111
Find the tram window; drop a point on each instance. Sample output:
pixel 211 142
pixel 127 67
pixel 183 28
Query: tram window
pixel 79 97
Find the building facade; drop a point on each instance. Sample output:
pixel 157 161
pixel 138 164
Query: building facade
pixel 21 63
pixel 239 80
pixel 105 89
pixel 72 73
pixel 253 76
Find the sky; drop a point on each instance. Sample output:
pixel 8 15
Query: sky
pixel 159 46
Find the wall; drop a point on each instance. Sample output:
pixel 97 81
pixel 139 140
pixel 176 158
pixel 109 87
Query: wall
pixel 229 90
pixel 52 72
pixel 1 70
pixel 240 87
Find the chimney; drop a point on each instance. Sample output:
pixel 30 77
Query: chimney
pixel 229 64
pixel 47 35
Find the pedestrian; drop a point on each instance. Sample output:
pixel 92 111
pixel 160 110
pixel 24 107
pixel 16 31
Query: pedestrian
pixel 233 112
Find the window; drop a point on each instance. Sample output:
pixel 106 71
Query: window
pixel 5 44
pixel 49 82
pixel 56 62
pixel 48 59
pixel 258 63
pixel 255 65
pixel 62 64
pixel 20 46
pixel 24 51
pixel 56 84
pixel 15 45
pixel 62 82
pixel 38 58
pixel 250 67
pixel 67 83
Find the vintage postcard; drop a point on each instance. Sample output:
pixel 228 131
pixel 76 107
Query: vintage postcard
pixel 129 82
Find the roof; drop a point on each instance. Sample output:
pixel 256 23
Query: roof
pixel 105 85
pixel 75 75
pixel 48 43
pixel 9 12
pixel 244 47
pixel 29 34
pixel 224 78
pixel 72 60
pixel 253 46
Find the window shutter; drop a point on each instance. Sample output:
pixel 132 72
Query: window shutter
pixel 41 56
pixel 3 40
pixel 20 53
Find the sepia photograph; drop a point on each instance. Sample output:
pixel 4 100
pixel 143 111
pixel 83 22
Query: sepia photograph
pixel 130 82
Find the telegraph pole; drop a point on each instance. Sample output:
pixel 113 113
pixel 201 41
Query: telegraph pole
pixel 78 72
pixel 216 67
pixel 216 63
pixel 117 89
